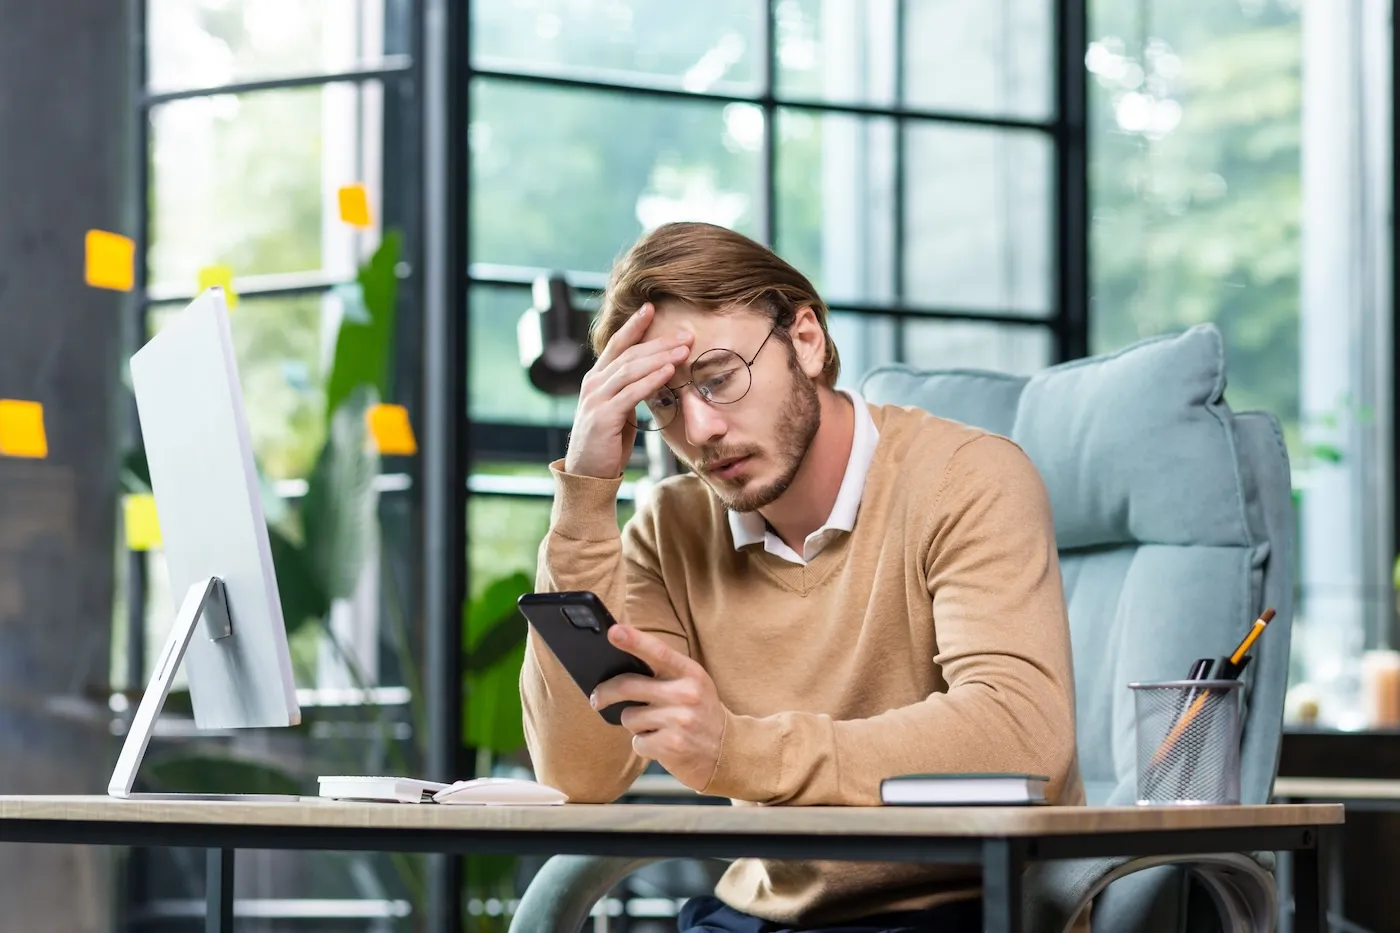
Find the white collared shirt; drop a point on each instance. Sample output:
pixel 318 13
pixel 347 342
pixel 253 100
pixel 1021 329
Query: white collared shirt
pixel 750 528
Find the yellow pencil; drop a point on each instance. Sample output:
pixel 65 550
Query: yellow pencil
pixel 1230 669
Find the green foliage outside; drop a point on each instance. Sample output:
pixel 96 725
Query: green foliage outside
pixel 1202 222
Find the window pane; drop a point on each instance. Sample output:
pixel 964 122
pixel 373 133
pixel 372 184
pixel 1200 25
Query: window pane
pixel 567 179
pixel 277 342
pixel 250 182
pixel 978 218
pixel 835 189
pixel 990 59
pixel 500 389
pixel 206 43
pixel 864 342
pixel 1196 197
pixel 994 59
pixel 503 537
pixel 1006 348
pixel 715 46
pixel 504 532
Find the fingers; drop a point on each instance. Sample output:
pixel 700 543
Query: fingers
pixel 640 720
pixel 664 660
pixel 636 688
pixel 625 372
pixel 629 334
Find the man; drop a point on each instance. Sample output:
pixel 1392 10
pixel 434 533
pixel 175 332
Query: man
pixel 836 594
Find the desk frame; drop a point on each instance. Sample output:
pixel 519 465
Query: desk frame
pixel 1003 859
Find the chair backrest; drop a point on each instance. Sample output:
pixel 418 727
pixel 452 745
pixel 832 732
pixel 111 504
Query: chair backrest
pixel 1174 522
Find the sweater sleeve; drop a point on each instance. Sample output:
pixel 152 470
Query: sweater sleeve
pixel 571 747
pixel 1002 647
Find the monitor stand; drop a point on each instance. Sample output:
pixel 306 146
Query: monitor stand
pixel 206 599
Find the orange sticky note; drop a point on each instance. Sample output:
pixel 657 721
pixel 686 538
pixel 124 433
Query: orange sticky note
pixel 354 205
pixel 142 523
pixel 22 429
pixel 219 277
pixel 111 261
pixel 390 430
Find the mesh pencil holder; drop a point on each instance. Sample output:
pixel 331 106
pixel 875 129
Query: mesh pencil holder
pixel 1188 741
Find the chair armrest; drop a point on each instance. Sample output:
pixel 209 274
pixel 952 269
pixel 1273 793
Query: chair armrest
pixel 561 896
pixel 563 892
pixel 1243 891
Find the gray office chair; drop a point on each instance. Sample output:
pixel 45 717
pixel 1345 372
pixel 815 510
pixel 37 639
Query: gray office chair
pixel 1174 520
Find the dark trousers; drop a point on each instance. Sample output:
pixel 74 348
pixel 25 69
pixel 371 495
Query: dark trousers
pixel 710 915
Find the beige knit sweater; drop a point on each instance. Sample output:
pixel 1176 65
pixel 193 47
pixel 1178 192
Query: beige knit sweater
pixel 933 638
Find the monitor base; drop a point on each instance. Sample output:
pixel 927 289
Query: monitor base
pixel 205 599
pixel 239 798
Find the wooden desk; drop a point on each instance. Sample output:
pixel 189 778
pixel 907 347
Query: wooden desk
pixel 1001 839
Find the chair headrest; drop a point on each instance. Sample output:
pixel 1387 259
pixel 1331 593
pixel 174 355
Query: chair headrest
pixel 1133 446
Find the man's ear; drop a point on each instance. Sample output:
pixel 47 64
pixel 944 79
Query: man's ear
pixel 808 342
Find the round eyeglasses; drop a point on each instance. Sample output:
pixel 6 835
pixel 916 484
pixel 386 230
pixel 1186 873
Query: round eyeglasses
pixel 720 377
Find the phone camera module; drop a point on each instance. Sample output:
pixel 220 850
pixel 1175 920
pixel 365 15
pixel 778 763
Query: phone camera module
pixel 581 617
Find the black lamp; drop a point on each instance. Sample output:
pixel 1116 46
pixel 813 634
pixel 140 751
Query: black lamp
pixel 553 339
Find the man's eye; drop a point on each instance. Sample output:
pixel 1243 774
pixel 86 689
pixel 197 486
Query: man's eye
pixel 717 381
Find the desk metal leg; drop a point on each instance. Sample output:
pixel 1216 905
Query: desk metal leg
pixel 1311 888
pixel 1003 864
pixel 218 891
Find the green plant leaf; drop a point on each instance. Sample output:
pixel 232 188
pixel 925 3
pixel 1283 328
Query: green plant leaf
pixel 1328 453
pixel 340 508
pixel 364 342
pixel 492 626
pixel 488 876
pixel 495 602
pixel 492 717
pixel 196 773
pixel 492 648
pixel 493 640
pixel 299 587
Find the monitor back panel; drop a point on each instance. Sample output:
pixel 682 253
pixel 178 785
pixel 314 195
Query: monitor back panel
pixel 211 517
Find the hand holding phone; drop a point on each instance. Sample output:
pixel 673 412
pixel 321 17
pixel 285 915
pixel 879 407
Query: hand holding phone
pixel 575 627
pixel 634 679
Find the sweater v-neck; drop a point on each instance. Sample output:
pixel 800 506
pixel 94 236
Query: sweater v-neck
pixel 802 579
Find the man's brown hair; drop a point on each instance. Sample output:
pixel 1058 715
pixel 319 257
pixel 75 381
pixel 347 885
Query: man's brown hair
pixel 714 268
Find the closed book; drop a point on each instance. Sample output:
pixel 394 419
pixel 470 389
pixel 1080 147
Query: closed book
pixel 943 790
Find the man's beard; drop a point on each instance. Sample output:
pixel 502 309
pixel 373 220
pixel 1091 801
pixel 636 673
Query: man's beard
pixel 796 428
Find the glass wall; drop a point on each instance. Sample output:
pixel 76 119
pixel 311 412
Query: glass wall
pixel 1240 175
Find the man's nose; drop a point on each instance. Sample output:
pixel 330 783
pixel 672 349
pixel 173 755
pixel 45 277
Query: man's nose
pixel 703 424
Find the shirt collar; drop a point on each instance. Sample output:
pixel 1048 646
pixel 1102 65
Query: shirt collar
pixel 750 528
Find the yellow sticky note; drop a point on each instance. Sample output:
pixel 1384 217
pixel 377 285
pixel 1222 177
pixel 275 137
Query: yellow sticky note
pixel 22 429
pixel 390 430
pixel 219 277
pixel 142 524
pixel 111 261
pixel 354 205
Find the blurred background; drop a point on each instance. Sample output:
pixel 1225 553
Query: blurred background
pixel 1001 184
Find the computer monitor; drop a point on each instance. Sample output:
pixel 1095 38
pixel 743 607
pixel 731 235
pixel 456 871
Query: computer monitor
pixel 229 628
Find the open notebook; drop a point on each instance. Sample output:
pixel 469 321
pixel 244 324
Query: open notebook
pixel 481 791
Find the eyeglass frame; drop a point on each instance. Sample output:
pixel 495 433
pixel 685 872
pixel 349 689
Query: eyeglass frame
pixel 748 365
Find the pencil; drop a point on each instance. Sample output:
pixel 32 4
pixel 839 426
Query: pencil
pixel 1229 670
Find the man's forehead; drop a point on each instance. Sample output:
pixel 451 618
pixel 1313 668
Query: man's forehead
pixel 707 326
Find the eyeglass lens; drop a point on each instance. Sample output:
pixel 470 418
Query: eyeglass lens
pixel 721 377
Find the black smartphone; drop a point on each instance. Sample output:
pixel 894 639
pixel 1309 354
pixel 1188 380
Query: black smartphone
pixel 575 627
